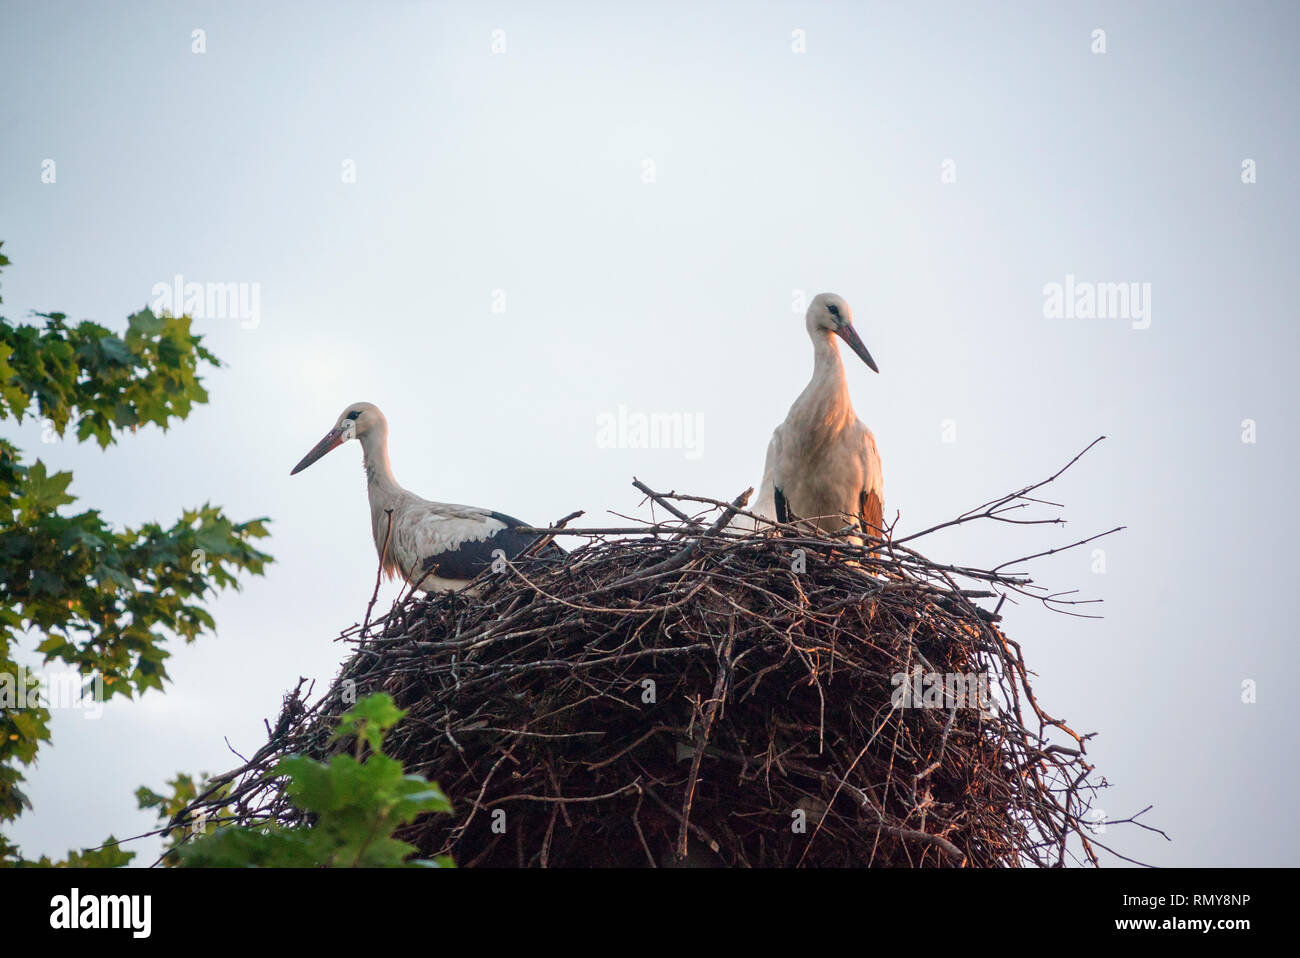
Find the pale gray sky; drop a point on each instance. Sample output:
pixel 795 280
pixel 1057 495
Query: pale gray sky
pixel 525 171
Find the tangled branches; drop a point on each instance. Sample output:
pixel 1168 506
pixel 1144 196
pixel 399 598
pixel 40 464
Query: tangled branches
pixel 676 692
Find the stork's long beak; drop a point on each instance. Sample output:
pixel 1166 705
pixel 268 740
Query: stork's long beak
pixel 333 439
pixel 850 336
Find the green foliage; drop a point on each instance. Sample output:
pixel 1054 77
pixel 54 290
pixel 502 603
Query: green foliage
pixel 355 804
pixel 184 789
pixel 108 855
pixel 104 382
pixel 369 721
pixel 104 598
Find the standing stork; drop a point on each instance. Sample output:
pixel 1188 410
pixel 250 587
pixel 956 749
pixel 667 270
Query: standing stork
pixel 435 546
pixel 822 465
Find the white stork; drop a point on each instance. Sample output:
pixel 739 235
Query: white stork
pixel 435 546
pixel 822 465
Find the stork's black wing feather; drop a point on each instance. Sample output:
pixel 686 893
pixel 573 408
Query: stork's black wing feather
pixel 473 556
pixel 782 507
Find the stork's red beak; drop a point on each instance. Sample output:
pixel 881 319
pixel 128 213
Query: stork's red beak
pixel 850 336
pixel 333 439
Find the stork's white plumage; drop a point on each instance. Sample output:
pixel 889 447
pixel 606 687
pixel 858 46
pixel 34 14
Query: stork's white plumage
pixel 435 546
pixel 822 464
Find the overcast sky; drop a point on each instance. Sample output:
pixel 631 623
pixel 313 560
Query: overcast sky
pixel 621 208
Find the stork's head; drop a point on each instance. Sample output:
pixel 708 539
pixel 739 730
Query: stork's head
pixel 829 313
pixel 353 423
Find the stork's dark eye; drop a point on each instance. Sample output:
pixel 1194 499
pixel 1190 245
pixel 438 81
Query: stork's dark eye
pixel 835 310
pixel 354 414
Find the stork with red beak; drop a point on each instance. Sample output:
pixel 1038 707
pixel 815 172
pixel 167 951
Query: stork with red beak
pixel 434 546
pixel 822 465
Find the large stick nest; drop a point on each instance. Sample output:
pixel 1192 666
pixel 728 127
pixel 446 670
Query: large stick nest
pixel 678 693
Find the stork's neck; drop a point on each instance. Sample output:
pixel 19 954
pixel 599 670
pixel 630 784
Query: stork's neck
pixel 827 393
pixel 380 482
pixel 826 356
